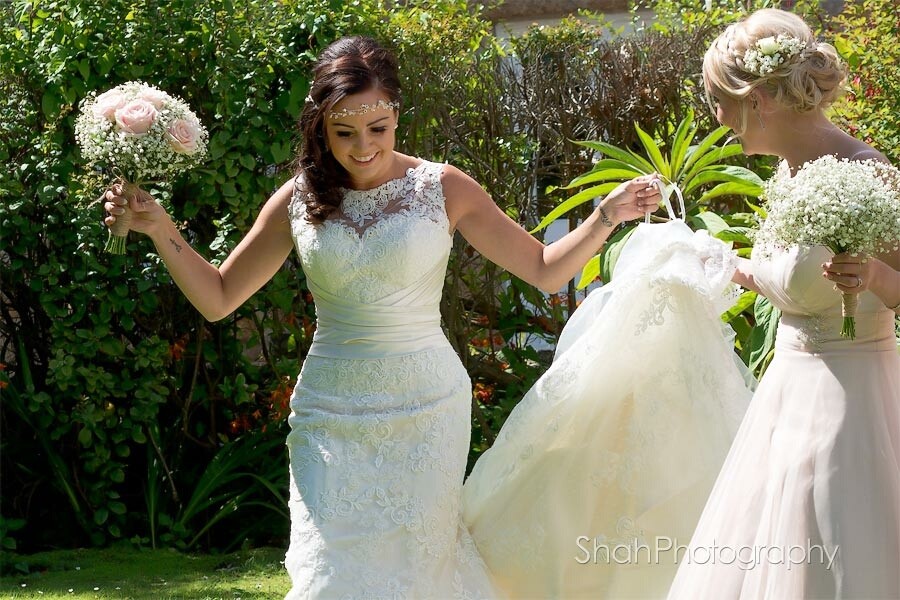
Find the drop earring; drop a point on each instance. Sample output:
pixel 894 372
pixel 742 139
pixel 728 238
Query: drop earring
pixel 754 105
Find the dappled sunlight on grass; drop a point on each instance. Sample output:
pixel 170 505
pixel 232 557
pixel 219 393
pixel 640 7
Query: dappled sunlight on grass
pixel 128 573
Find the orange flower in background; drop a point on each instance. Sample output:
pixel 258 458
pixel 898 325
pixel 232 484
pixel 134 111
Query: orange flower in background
pixel 280 399
pixel 176 350
pixel 309 327
pixel 483 392
pixel 239 424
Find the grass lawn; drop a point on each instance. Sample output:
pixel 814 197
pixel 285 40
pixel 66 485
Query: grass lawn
pixel 127 573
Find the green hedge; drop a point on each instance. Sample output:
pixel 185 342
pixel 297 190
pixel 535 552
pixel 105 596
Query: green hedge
pixel 117 394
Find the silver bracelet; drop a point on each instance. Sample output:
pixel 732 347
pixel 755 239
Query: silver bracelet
pixel 604 218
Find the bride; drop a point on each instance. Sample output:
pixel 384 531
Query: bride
pixel 617 443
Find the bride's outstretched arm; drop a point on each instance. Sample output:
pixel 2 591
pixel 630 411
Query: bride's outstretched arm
pixel 215 291
pixel 503 241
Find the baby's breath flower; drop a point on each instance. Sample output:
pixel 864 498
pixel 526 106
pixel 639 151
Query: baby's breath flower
pixel 847 206
pixel 140 132
pixel 769 53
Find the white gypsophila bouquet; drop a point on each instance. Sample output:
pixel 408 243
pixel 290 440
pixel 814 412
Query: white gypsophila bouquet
pixel 140 134
pixel 847 206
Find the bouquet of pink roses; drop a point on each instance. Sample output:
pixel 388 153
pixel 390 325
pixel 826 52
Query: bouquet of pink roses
pixel 140 134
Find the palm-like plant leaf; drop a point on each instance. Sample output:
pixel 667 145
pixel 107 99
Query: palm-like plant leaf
pixel 578 199
pixel 696 169
pixel 681 144
pixel 660 163
pixel 701 172
pixel 626 156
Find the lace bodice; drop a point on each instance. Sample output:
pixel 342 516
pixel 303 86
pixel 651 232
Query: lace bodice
pixel 380 415
pixel 382 240
pixel 376 268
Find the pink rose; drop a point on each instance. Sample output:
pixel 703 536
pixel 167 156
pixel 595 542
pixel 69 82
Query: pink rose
pixel 136 117
pixel 108 103
pixel 184 136
pixel 154 96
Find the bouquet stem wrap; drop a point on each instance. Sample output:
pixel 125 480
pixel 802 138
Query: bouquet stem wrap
pixel 848 311
pixel 118 232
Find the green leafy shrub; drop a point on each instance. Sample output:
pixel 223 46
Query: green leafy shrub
pixel 104 356
pixel 865 34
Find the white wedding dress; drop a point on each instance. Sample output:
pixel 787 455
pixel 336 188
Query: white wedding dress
pixel 617 445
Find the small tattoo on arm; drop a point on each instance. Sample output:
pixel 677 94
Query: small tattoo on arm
pixel 176 245
pixel 604 218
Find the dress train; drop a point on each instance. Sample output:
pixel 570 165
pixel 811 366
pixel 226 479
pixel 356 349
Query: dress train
pixel 600 473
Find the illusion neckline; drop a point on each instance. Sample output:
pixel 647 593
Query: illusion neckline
pixel 406 175
pixel 362 207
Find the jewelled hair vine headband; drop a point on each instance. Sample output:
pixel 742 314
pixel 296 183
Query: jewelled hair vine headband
pixel 364 108
pixel 769 53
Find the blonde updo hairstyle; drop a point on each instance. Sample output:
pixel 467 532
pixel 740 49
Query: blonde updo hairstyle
pixel 810 80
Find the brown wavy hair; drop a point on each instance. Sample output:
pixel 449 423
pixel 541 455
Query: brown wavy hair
pixel 347 66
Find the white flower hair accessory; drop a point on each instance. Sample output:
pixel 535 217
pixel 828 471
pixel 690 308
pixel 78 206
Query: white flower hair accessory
pixel 769 53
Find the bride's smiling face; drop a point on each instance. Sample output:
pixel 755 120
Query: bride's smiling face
pixel 360 135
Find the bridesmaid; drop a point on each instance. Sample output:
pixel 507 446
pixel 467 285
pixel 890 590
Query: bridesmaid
pixel 807 504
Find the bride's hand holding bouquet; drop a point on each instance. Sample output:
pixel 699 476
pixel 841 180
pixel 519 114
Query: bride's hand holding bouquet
pixel 129 208
pixel 851 207
pixel 138 134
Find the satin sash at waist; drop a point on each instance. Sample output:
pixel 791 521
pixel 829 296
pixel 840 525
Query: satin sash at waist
pixel 352 330
pixel 820 334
